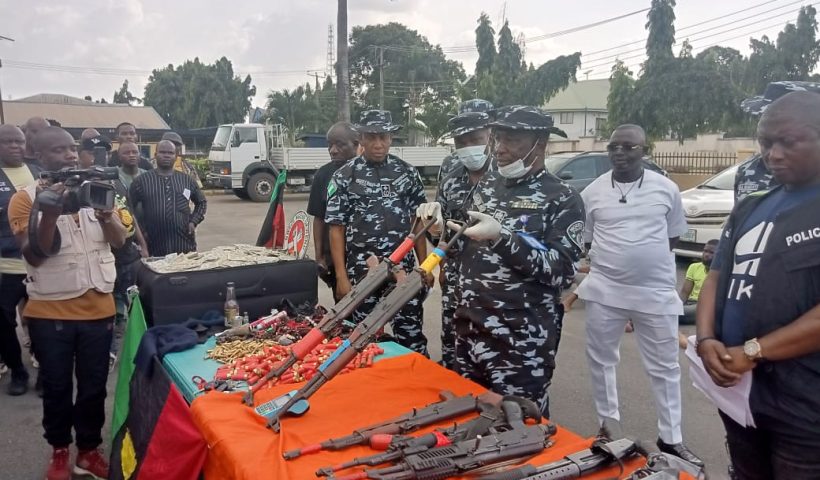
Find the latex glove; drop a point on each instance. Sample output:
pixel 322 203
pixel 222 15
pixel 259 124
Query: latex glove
pixel 486 227
pixel 428 211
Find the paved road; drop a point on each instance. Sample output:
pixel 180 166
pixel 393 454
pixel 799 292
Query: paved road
pixel 24 453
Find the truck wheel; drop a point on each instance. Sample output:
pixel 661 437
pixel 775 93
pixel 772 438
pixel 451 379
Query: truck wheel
pixel 260 186
pixel 241 193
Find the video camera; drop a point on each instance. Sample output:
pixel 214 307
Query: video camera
pixel 84 188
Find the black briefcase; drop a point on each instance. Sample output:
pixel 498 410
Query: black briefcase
pixel 176 297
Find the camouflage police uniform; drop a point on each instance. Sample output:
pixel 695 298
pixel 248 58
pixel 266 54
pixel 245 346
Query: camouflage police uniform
pixel 509 316
pixel 375 202
pixel 450 162
pixel 752 176
pixel 453 193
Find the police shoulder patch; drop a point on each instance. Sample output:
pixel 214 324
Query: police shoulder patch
pixel 331 188
pixel 575 232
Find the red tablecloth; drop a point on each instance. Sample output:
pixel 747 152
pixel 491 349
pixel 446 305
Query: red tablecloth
pixel 241 447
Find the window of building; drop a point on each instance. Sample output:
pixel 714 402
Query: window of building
pixel 600 125
pixel 566 117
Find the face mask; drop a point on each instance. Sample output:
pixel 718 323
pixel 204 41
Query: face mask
pixel 516 169
pixel 472 157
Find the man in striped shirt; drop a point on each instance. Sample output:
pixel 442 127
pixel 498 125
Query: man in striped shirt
pixel 164 194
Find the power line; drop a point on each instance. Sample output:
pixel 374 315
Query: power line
pixel 617 57
pixel 714 19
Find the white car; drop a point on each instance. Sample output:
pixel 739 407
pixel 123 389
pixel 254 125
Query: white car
pixel 706 207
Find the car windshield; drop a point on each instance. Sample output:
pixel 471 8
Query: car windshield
pixel 223 136
pixel 553 163
pixel 724 180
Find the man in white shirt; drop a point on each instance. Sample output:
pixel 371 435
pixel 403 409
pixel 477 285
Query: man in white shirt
pixel 633 218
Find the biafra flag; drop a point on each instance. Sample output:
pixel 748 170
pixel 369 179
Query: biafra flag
pixel 272 234
pixel 154 436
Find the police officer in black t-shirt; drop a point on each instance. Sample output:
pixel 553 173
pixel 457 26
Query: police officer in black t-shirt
pixel 342 145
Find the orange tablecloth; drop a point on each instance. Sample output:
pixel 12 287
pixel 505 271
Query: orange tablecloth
pixel 242 448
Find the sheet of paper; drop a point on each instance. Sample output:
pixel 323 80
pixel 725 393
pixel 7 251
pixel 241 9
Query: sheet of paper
pixel 733 401
pixel 187 194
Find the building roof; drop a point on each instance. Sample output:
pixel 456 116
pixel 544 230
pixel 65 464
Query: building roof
pixel 589 95
pixel 74 112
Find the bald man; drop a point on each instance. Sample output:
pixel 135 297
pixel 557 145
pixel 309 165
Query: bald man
pixel 759 307
pixel 32 126
pixel 164 196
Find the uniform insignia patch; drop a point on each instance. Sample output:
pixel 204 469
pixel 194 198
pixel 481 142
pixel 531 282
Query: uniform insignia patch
pixel 331 189
pixel 575 232
pixel 524 205
pixel 500 215
pixel 387 191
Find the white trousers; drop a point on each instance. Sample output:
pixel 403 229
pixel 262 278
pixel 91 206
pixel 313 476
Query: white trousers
pixel 658 344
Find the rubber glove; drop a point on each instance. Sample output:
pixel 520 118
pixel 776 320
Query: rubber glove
pixel 485 228
pixel 428 211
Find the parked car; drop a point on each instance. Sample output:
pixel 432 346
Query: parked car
pixel 706 207
pixel 579 169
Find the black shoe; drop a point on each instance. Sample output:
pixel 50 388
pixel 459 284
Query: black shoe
pixel 19 384
pixel 38 386
pixel 679 450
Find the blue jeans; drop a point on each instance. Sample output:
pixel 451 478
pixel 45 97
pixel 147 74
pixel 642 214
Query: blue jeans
pixel 773 451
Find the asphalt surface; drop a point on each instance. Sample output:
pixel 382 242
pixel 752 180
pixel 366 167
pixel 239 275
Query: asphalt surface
pixel 24 453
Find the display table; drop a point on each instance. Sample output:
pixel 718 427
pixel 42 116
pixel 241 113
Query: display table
pixel 241 447
pixel 183 366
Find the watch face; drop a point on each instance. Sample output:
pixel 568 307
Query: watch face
pixel 751 348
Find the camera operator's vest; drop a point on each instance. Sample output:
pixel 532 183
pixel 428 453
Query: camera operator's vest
pixel 84 261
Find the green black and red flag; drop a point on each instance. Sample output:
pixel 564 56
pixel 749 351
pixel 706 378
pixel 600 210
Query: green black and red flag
pixel 272 234
pixel 154 435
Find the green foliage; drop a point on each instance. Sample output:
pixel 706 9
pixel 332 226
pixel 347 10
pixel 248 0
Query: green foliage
pixel 503 77
pixel 124 96
pixel 196 95
pixel 682 96
pixel 304 109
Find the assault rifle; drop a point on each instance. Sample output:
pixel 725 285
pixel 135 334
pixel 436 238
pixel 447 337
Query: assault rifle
pixel 331 322
pixel 369 329
pixel 469 455
pixel 601 454
pixel 450 407
pixel 491 418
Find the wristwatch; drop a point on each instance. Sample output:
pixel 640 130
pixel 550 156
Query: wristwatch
pixel 752 350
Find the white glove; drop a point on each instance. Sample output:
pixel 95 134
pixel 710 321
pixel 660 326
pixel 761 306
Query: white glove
pixel 486 227
pixel 431 210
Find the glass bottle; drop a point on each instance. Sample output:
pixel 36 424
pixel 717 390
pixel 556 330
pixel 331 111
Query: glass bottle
pixel 231 305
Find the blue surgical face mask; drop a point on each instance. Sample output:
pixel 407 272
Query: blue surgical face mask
pixel 474 157
pixel 516 169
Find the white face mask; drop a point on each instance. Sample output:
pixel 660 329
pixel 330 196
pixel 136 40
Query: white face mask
pixel 516 169
pixel 473 157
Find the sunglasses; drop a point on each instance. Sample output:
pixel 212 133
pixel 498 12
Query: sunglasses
pixel 626 147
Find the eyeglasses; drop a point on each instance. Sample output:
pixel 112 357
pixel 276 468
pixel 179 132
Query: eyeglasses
pixel 626 147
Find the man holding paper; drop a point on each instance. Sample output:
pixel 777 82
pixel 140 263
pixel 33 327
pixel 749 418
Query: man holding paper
pixel 759 308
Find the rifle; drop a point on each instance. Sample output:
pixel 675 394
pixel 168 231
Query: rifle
pixel 601 454
pixel 470 454
pixel 491 417
pixel 450 407
pixel 368 330
pixel 331 321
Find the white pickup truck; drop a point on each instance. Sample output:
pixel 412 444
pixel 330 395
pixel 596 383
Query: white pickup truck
pixel 245 157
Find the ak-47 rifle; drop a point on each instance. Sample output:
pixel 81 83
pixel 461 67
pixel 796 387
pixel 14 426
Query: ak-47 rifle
pixel 491 418
pixel 601 454
pixel 368 330
pixel 469 455
pixel 331 322
pixel 450 407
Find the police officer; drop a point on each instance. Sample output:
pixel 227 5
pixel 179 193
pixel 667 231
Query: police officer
pixel 753 175
pixel 470 133
pixel 450 162
pixel 522 251
pixel 371 204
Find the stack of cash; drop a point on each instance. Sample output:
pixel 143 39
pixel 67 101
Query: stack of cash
pixel 227 256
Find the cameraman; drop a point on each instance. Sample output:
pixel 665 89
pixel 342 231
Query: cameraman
pixel 70 279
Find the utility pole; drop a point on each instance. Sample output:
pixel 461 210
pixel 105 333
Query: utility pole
pixel 342 73
pixel 316 89
pixel 381 77
pixel 2 114
pixel 411 121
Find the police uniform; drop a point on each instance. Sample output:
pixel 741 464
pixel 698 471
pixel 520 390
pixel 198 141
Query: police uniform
pixel 450 162
pixel 454 191
pixel 753 176
pixel 375 202
pixel 509 314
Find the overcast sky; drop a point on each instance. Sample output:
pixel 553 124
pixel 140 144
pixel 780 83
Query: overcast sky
pixel 87 47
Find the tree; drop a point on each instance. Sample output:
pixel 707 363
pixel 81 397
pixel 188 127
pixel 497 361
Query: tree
pixel 404 51
pixel 303 109
pixel 621 90
pixel 196 95
pixel 485 44
pixel 124 96
pixel 661 26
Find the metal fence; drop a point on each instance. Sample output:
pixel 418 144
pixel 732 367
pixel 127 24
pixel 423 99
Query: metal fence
pixel 694 162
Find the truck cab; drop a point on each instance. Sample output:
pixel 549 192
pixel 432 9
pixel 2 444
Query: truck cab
pixel 239 159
